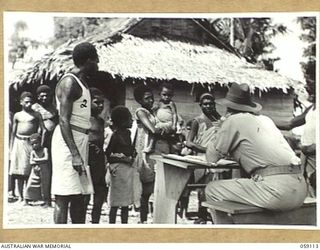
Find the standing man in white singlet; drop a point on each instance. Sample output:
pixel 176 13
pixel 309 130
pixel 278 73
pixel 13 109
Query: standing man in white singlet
pixel 70 138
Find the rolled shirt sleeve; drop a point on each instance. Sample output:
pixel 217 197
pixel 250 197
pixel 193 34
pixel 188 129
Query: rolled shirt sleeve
pixel 227 138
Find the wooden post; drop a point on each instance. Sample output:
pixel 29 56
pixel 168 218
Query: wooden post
pixel 231 32
pixel 170 182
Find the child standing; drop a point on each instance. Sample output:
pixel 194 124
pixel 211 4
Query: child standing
pixel 38 186
pixel 120 154
pixel 25 123
pixel 96 155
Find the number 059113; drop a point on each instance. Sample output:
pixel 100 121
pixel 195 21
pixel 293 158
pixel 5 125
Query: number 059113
pixel 309 245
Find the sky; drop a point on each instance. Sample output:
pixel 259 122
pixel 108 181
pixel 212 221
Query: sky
pixel 40 25
pixel 289 46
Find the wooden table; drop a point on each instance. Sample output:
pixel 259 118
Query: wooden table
pixel 172 175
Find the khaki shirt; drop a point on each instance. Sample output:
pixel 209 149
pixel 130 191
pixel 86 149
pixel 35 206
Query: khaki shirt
pixel 254 142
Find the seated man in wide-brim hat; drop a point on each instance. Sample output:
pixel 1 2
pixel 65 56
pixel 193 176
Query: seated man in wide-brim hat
pixel 258 146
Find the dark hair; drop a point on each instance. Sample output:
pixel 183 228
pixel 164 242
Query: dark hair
pixel 139 91
pixel 120 115
pixel 82 52
pixel 26 94
pixel 206 95
pixel 189 123
pixel 35 136
pixel 95 92
pixel 43 89
pixel 167 85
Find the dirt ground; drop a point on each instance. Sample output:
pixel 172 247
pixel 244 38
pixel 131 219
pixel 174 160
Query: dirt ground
pixel 35 214
pixel 17 214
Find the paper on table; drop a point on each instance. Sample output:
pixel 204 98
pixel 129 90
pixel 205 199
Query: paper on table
pixel 189 159
pixel 200 159
pixel 196 157
pixel 225 162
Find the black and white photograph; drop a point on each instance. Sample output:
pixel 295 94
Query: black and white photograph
pixel 161 120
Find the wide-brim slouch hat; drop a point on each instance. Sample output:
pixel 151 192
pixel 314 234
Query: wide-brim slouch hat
pixel 239 98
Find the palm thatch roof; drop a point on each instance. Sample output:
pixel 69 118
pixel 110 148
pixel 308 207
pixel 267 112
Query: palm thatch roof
pixel 127 56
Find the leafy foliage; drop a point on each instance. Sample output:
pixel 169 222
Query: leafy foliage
pixel 72 28
pixel 308 25
pixel 258 34
pixel 18 42
pixel 251 36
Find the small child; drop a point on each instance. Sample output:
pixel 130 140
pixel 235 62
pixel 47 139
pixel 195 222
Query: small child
pixel 38 186
pixel 166 110
pixel 120 154
pixel 96 159
pixel 25 123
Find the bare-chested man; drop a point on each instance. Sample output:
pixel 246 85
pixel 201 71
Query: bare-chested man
pixel 25 123
pixel 50 118
pixel 96 154
pixel 70 137
pixel 48 112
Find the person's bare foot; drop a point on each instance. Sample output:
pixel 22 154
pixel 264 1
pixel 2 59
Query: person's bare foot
pixel 46 204
pixel 12 197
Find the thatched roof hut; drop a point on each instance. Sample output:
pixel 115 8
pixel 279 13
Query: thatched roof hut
pixel 155 50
